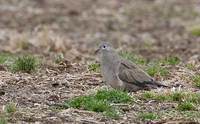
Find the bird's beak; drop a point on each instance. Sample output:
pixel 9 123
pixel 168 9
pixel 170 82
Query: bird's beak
pixel 96 51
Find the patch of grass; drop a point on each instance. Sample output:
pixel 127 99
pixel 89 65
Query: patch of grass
pixel 193 97
pixel 190 66
pixel 113 96
pixel 112 113
pixel 148 95
pixel 177 96
pixel 25 63
pixel 10 107
pixel 175 113
pixel 171 60
pixel 100 102
pixel 147 115
pixel 91 104
pixel 186 106
pixel 196 80
pixel 59 58
pixel 3 119
pixel 154 69
pixel 174 96
pixel 5 57
pixel 94 67
pixel 154 96
pixel 158 68
pixel 195 30
pixel 135 59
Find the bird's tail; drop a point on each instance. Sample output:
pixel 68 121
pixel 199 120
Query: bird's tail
pixel 156 84
pixel 161 85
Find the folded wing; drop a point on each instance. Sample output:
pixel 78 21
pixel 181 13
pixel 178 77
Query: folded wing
pixel 130 73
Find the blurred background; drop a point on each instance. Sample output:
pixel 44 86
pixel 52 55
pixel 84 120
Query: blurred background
pixel 60 37
pixel 151 28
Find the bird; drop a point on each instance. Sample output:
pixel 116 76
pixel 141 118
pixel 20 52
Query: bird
pixel 123 74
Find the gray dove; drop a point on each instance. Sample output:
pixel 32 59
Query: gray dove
pixel 122 74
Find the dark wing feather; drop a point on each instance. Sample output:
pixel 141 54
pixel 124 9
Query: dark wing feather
pixel 131 73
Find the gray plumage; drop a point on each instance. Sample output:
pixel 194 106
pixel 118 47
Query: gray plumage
pixel 123 74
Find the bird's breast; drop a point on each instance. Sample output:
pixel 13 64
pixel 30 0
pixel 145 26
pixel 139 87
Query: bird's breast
pixel 110 77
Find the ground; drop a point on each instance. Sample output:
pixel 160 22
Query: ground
pixel 48 29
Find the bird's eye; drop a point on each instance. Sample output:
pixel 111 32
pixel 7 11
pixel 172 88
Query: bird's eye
pixel 104 46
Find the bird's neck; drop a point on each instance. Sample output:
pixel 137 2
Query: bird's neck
pixel 110 58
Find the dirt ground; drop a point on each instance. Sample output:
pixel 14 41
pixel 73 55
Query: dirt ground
pixel 45 28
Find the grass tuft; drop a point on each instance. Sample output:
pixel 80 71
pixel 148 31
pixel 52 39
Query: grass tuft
pixel 94 67
pixel 171 60
pixel 3 119
pixel 10 107
pixel 173 97
pixel 152 95
pixel 196 80
pixel 177 96
pixel 147 115
pixel 89 103
pixel 195 31
pixel 5 58
pixel 25 64
pixel 154 69
pixel 190 66
pixel 100 102
pixel 186 106
pixel 114 96
pixel 59 58
pixel 112 113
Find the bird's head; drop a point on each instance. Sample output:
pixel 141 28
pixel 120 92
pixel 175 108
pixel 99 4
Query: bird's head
pixel 103 47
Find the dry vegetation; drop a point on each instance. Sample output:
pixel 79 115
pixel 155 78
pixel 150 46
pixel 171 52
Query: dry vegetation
pixel 49 73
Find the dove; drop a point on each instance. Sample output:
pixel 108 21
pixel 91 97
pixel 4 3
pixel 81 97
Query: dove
pixel 123 74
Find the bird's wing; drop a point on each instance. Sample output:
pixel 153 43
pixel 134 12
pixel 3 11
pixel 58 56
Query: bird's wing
pixel 130 73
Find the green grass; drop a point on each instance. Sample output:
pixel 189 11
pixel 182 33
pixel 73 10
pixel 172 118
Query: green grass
pixel 171 60
pixel 186 106
pixel 193 97
pixel 10 107
pixel 3 119
pixel 25 64
pixel 113 96
pixel 154 69
pixel 135 59
pixel 5 58
pixel 195 30
pixel 187 101
pixel 147 115
pixel 90 103
pixel 175 113
pixel 177 96
pixel 172 96
pixel 147 95
pixel 59 58
pixel 7 112
pixel 196 80
pixel 94 67
pixel 100 102
pixel 190 66
pixel 158 68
